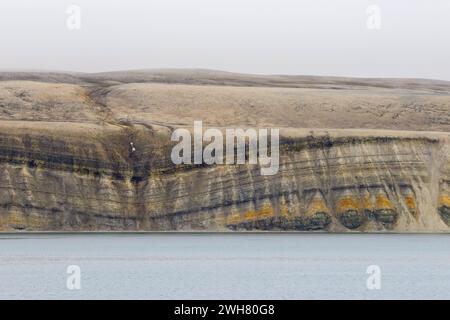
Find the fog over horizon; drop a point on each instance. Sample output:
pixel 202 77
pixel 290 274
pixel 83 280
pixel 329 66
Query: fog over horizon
pixel 291 37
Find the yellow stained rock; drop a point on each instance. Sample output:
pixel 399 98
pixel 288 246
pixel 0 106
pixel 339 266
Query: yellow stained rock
pixel 234 218
pixel 265 212
pixel 284 211
pixel 316 205
pixel 410 202
pixel 250 215
pixel 444 200
pixel 382 202
pixel 367 202
pixel 347 203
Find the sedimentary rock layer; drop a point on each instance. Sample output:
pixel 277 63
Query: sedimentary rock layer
pixel 66 161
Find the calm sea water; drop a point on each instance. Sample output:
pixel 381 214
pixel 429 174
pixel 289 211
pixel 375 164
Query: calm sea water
pixel 235 266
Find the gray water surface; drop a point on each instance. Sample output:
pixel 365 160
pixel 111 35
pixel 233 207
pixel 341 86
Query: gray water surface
pixel 224 266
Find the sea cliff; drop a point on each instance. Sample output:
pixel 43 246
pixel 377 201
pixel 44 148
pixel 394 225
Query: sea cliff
pixel 355 155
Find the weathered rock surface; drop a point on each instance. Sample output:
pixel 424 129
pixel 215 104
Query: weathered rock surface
pixel 66 161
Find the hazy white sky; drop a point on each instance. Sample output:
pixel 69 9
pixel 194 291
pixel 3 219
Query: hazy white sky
pixel 319 37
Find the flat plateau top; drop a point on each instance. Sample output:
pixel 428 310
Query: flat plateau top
pixel 176 98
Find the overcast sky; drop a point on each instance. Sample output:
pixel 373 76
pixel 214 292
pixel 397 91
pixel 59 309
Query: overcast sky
pixel 317 37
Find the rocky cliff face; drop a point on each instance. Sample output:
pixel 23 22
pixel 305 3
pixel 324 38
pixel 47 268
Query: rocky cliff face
pixel 66 162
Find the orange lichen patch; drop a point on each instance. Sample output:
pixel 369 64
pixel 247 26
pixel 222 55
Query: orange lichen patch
pixel 347 203
pixel 382 202
pixel 251 215
pixel 444 200
pixel 265 212
pixel 316 205
pixel 410 202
